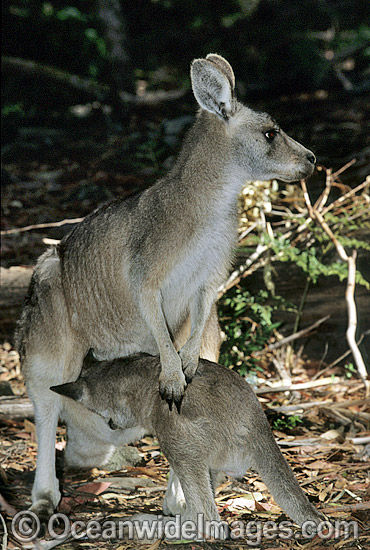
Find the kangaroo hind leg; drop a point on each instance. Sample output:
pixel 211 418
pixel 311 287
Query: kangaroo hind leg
pixel 200 506
pixel 43 371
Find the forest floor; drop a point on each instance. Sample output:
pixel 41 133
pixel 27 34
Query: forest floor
pixel 50 176
pixel 324 450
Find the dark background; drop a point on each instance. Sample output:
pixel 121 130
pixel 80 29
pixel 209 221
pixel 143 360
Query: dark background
pixel 276 47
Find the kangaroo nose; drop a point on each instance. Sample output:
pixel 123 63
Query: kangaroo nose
pixel 311 158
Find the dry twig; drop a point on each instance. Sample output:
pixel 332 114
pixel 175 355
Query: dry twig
pixel 347 508
pixel 295 336
pixel 302 386
pixel 40 226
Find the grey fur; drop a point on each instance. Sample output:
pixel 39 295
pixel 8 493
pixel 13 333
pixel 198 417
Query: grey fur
pixel 222 427
pixel 141 274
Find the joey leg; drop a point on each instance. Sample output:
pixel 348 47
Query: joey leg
pixel 216 479
pixel 200 503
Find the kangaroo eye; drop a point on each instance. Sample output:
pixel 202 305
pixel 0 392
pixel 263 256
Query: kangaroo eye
pixel 270 135
pixel 112 425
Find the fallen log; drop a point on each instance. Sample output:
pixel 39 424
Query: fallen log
pixel 13 288
pixel 16 408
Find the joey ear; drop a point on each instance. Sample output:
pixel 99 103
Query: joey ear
pixel 75 390
pixel 89 359
pixel 212 88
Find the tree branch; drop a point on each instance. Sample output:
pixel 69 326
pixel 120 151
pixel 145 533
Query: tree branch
pixel 294 336
pixel 87 86
pixel 37 70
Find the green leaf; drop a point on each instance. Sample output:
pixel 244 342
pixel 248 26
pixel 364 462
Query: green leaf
pixel 70 12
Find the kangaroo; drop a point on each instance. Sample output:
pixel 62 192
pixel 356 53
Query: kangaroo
pixel 141 274
pixel 222 427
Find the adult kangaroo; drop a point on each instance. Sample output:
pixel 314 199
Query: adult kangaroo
pixel 141 274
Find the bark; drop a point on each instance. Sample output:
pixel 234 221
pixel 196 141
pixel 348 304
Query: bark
pixel 113 28
pixel 16 408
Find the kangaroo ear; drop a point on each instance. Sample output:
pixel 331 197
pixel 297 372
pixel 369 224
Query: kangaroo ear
pixel 224 67
pixel 75 390
pixel 89 359
pixel 212 86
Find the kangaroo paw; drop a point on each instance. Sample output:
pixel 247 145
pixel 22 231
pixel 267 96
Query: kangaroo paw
pixel 172 389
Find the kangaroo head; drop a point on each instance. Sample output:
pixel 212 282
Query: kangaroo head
pixel 93 394
pixel 259 148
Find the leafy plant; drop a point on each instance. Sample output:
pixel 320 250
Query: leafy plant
pixel 247 323
pixel 315 261
pixel 286 422
pixel 293 237
pixel 350 370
